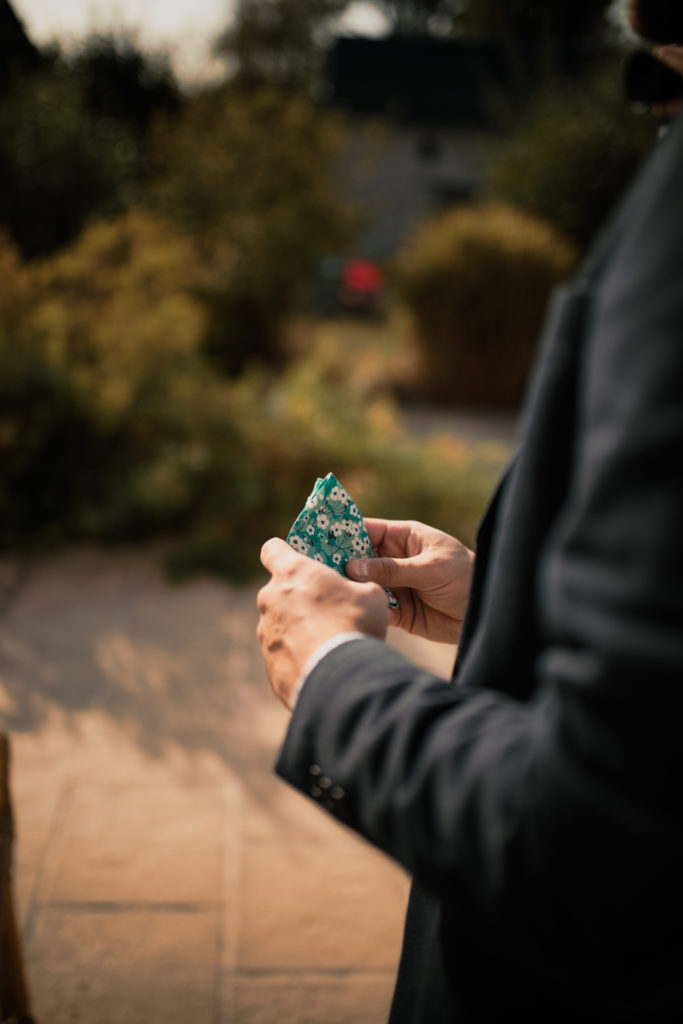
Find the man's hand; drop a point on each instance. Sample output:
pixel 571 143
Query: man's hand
pixel 305 604
pixel 429 571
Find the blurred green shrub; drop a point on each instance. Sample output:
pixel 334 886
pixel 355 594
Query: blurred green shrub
pixel 573 153
pixel 477 281
pixel 119 312
pixel 249 174
pixel 98 348
pixel 113 426
pixel 302 425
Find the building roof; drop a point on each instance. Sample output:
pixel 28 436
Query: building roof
pixel 428 80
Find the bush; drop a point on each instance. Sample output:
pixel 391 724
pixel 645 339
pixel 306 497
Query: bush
pixel 572 155
pixel 114 428
pixel 49 449
pixel 119 312
pixel 477 282
pixel 98 346
pixel 298 427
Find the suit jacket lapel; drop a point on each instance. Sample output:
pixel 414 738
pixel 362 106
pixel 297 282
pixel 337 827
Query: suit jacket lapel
pixel 522 511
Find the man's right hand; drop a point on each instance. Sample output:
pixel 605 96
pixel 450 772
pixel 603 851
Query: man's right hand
pixel 429 571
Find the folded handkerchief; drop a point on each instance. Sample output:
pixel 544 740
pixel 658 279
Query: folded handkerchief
pixel 330 529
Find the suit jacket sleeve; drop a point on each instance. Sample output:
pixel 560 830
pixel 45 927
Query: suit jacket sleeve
pixel 560 814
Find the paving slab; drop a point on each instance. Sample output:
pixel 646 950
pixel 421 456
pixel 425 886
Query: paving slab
pixel 321 999
pixel 163 872
pixel 37 795
pixel 119 968
pixel 308 904
pixel 145 844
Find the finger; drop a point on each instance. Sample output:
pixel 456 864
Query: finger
pixel 262 599
pixel 390 536
pixel 387 572
pixel 394 616
pixel 277 553
pixel 376 528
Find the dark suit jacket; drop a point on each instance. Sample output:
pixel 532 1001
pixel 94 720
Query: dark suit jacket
pixel 537 802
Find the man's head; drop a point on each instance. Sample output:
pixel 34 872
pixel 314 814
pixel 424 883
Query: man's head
pixel 658 21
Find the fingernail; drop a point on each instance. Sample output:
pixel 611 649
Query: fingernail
pixel 357 568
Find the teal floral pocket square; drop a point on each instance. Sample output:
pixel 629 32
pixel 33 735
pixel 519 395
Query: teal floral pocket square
pixel 330 529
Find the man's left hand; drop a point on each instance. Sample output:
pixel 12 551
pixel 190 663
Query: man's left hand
pixel 304 605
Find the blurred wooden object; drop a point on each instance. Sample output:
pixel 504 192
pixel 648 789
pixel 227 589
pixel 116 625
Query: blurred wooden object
pixel 14 998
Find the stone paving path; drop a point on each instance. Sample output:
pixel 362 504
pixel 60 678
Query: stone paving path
pixel 163 873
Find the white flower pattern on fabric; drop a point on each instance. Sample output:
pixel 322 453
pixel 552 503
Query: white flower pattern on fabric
pixel 330 528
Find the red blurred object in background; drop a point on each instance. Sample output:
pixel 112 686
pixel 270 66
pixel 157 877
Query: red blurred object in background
pixel 360 285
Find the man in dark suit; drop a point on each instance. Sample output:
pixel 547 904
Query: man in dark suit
pixel 536 800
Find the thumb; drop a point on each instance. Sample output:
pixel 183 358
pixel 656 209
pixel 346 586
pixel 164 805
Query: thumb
pixel 387 572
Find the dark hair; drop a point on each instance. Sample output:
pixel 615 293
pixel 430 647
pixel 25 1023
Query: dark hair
pixel 659 21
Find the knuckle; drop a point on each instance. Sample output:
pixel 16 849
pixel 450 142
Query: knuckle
pixel 369 590
pixel 390 570
pixel 265 548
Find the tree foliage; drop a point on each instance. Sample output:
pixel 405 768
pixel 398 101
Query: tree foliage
pixel 571 156
pixel 277 42
pixel 72 139
pixel 249 175
pixel 122 81
pixel 59 162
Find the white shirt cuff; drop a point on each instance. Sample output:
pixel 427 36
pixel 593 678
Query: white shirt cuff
pixel 317 656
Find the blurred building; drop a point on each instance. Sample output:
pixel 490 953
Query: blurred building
pixel 425 114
